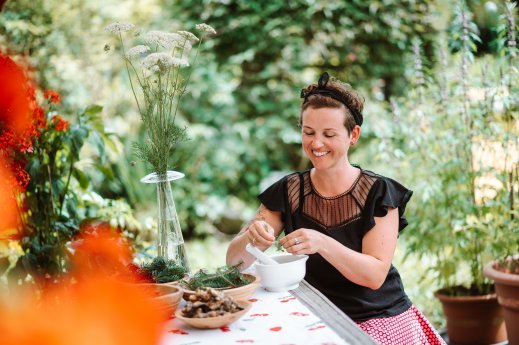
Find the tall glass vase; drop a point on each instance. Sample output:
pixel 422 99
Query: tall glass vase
pixel 170 242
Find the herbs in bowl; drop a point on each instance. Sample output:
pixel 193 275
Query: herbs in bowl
pixel 210 308
pixel 230 280
pixel 160 271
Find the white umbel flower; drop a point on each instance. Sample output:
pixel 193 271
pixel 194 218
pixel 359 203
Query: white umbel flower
pixel 119 27
pixel 206 28
pixel 180 62
pixel 188 36
pixel 163 39
pixel 137 50
pixel 157 61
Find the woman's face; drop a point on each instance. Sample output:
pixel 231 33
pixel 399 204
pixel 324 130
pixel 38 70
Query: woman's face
pixel 325 139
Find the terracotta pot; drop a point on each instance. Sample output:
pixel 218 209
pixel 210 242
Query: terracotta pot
pixel 473 320
pixel 507 290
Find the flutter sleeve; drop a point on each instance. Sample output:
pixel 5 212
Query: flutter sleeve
pixel 275 198
pixel 386 194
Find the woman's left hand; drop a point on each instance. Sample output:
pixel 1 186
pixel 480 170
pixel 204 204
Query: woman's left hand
pixel 303 241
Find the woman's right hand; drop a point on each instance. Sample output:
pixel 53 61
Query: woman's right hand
pixel 260 234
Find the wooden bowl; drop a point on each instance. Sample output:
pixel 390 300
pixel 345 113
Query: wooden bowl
pixel 239 293
pixel 217 321
pixel 167 296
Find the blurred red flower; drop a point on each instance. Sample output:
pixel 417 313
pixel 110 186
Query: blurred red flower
pixel 52 96
pixel 59 123
pixel 9 221
pixel 14 105
pixel 93 309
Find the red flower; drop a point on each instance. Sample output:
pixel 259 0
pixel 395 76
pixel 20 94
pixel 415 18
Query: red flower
pixel 59 123
pixel 52 95
pixel 9 219
pixel 14 104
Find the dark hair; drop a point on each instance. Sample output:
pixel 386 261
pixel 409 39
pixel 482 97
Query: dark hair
pixel 316 101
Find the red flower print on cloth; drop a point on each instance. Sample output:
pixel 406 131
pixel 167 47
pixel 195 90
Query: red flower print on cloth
pixel 317 327
pixel 253 300
pixel 296 313
pixel 276 329
pixel 225 329
pixel 177 331
pixel 287 299
pixel 259 315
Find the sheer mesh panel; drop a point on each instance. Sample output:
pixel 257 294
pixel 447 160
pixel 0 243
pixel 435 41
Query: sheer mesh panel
pixel 338 210
pixel 293 186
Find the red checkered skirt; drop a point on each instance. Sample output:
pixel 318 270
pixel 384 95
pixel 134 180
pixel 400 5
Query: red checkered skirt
pixel 408 328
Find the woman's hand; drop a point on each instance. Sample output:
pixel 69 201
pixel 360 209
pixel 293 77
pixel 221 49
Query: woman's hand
pixel 260 234
pixel 303 241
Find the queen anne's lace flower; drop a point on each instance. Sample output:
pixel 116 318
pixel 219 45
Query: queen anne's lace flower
pixel 163 39
pixel 161 60
pixel 206 28
pixel 188 36
pixel 137 50
pixel 119 27
pixel 180 62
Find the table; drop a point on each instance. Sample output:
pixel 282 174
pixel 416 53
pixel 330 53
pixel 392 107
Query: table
pixel 300 316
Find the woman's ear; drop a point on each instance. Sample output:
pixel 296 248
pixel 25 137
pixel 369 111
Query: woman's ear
pixel 354 135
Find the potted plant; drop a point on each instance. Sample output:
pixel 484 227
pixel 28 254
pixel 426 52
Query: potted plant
pixel 453 126
pixel 505 271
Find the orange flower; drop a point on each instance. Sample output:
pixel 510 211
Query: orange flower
pixel 93 310
pixel 14 104
pixel 52 95
pixel 9 220
pixel 59 123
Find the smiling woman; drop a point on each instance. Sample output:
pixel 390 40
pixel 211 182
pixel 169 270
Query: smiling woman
pixel 345 218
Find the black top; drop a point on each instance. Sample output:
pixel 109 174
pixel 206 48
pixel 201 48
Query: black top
pixel 346 218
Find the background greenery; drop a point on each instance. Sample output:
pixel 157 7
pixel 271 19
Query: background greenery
pixel 243 101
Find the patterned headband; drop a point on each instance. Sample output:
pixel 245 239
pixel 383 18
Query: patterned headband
pixel 322 90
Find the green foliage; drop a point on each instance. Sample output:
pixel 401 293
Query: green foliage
pixel 223 277
pixel 161 270
pixel 51 212
pixel 461 154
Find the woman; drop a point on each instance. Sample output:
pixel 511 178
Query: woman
pixel 345 218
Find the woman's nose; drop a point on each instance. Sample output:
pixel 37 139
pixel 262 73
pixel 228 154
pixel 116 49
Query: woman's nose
pixel 316 143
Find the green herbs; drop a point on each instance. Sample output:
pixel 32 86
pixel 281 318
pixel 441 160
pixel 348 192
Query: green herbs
pixel 223 277
pixel 161 270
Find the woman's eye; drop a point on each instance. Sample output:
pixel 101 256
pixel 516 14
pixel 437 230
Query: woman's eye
pixel 329 135
pixel 308 133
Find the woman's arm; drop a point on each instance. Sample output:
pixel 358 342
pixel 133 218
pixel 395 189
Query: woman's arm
pixel 261 231
pixel 368 268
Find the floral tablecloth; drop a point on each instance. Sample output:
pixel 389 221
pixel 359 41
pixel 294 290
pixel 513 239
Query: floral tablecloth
pixel 276 318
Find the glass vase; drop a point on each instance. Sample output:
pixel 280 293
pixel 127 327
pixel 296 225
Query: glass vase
pixel 170 242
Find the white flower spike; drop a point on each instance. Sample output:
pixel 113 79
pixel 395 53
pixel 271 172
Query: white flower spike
pixel 161 60
pixel 206 28
pixel 137 50
pixel 119 27
pixel 188 36
pixel 164 39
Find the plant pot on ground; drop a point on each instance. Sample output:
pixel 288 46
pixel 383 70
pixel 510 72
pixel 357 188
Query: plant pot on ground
pixel 505 275
pixel 472 317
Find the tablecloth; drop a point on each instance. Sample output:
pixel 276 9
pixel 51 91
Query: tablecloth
pixel 276 318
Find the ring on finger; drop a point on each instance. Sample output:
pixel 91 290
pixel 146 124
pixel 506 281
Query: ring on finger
pixel 296 241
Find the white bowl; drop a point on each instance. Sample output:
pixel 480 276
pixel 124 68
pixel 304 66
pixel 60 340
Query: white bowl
pixel 286 275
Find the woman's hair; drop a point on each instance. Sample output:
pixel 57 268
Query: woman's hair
pixel 316 100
